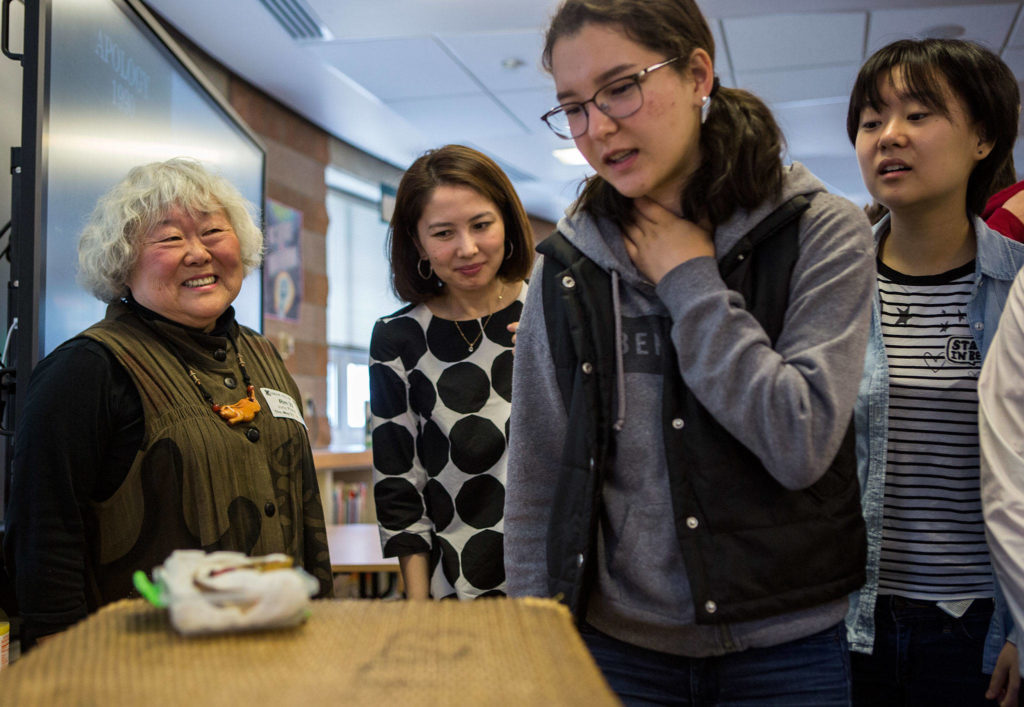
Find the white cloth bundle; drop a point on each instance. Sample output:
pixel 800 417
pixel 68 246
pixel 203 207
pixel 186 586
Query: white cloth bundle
pixel 229 591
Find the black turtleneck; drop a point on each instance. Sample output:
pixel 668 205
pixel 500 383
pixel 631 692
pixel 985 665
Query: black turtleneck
pixel 79 433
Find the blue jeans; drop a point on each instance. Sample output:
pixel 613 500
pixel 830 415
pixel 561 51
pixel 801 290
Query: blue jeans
pixel 809 671
pixel 923 656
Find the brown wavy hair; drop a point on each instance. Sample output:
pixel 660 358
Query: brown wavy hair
pixel 453 165
pixel 974 74
pixel 741 144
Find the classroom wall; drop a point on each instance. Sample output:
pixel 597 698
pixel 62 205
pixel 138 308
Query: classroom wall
pixel 297 154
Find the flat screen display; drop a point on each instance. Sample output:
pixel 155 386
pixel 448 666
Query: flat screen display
pixel 117 97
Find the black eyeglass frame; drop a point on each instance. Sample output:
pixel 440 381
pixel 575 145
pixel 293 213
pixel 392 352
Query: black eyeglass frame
pixel 636 79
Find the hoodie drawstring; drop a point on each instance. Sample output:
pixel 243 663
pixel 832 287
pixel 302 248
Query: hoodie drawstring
pixel 620 378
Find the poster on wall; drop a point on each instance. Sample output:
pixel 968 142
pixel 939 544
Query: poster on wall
pixel 282 262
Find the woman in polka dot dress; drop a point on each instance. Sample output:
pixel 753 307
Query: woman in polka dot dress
pixel 441 373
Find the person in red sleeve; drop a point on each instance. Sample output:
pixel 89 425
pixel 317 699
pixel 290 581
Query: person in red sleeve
pixel 1004 211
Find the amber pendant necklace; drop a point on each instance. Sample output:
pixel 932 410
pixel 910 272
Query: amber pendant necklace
pixel 246 408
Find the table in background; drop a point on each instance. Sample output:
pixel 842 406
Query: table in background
pixel 355 548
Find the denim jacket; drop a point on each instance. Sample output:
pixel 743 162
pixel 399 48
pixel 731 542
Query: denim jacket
pixel 997 261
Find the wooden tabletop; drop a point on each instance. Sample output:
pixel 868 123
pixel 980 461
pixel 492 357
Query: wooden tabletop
pixel 411 653
pixel 338 460
pixel 355 547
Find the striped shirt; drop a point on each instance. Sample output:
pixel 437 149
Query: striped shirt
pixel 933 533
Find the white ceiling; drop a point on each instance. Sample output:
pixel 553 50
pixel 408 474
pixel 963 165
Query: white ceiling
pixel 396 77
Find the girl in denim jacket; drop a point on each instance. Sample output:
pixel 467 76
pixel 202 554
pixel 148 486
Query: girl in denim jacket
pixel 932 122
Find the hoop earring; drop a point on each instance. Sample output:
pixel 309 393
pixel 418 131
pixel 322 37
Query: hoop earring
pixel 419 269
pixel 511 249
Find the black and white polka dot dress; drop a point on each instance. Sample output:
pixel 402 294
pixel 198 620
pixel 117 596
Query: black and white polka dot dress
pixel 440 429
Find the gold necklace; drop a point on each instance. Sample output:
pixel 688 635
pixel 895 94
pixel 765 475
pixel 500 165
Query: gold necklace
pixel 483 324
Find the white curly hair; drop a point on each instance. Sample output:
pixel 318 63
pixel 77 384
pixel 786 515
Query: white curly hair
pixel 108 246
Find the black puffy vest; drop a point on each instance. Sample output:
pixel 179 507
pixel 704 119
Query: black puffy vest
pixel 752 549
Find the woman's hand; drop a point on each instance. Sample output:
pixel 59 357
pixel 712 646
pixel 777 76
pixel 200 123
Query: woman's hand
pixel 659 240
pixel 512 328
pixel 1005 681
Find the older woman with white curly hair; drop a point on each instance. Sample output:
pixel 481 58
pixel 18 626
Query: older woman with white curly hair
pixel 166 425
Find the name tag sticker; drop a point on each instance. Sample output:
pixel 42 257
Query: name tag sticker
pixel 282 405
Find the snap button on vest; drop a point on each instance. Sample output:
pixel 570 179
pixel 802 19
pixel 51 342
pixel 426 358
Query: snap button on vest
pixel 269 509
pixel 692 523
pixel 252 434
pixel 220 355
pixel 710 607
pixel 230 382
pixel 579 560
pixel 678 423
pixel 588 367
pixel 568 282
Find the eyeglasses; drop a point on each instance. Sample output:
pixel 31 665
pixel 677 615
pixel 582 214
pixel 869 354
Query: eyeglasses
pixel 619 99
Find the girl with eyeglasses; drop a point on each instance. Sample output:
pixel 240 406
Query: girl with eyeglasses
pixel 681 465
pixel 931 139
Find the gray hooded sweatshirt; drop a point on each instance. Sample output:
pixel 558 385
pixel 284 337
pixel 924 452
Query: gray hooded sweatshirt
pixel 790 405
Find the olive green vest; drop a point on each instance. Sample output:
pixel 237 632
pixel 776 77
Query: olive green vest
pixel 198 482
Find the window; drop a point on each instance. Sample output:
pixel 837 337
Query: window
pixel 359 293
pixel 348 395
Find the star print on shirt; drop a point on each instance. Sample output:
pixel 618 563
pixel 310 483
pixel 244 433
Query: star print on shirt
pixel 904 316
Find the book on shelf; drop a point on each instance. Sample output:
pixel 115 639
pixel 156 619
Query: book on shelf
pixel 351 503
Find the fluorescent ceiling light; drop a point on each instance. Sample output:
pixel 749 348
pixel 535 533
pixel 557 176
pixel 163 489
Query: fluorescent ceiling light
pixel 569 156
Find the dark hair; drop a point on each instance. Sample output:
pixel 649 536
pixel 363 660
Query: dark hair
pixel 1005 176
pixel 452 165
pixel 740 143
pixel 974 74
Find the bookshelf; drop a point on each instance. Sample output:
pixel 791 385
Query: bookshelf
pixel 345 478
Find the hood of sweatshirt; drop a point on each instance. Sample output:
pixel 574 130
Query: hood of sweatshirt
pixel 601 241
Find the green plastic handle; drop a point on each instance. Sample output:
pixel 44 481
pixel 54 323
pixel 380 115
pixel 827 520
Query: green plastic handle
pixel 153 593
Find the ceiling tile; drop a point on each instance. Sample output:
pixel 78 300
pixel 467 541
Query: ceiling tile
pixel 777 41
pixel 529 106
pixel 396 69
pixel 484 55
pixel 986 23
pixel 840 176
pixel 816 136
pixel 816 130
pixel 409 18
pixel 1017 34
pixel 458 118
pixel 800 84
pixel 1014 58
pixel 536 156
pixel 723 67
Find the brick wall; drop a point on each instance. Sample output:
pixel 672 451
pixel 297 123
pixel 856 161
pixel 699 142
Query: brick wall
pixel 297 153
